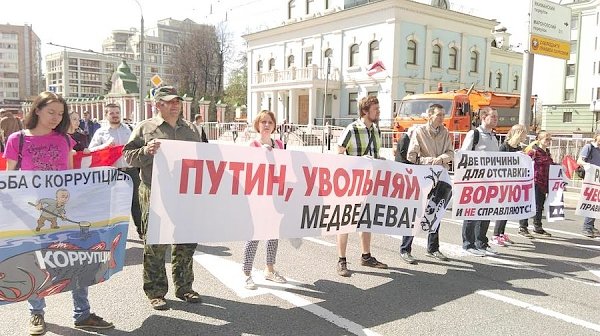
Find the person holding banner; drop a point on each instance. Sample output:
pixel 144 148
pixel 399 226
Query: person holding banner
pixel 139 152
pixel 515 136
pixel 481 138
pixel 264 124
pixel 540 154
pixel 430 144
pixel 45 145
pixel 590 154
pixel 117 134
pixel 361 138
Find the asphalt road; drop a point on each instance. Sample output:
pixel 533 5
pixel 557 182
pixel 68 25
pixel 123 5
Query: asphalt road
pixel 535 287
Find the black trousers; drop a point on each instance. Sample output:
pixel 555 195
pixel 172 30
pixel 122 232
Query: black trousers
pixel 136 212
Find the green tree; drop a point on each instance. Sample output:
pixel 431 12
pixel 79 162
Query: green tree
pixel 237 86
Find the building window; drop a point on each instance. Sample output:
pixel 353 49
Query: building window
pixel 259 66
pixel 308 58
pixel 373 51
pixel 474 61
pixel 271 64
pixel 516 82
pixel 328 53
pixel 567 117
pixel 490 79
pixel 574 22
pixel 569 95
pixel 573 46
pixel 411 52
pixel 453 58
pixel 570 70
pixel 354 55
pixel 498 80
pixel 598 93
pixel 291 7
pixel 353 103
pixel 290 61
pixel 309 6
pixel 326 4
pixel 373 93
pixel 436 56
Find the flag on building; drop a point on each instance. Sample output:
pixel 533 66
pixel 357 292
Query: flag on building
pixel 374 68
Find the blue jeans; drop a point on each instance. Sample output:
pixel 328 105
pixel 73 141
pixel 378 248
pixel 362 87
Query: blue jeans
pixel 433 242
pixel 81 305
pixel 474 234
pixel 588 223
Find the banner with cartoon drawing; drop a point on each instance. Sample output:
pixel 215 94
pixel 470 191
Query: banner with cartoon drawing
pixel 214 193
pixel 61 230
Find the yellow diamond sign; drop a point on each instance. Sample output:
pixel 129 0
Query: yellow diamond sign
pixel 156 80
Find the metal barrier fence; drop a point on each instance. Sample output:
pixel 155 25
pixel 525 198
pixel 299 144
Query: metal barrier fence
pixel 314 136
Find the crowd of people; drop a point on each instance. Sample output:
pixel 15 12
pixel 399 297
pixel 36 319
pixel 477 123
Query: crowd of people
pixel 55 133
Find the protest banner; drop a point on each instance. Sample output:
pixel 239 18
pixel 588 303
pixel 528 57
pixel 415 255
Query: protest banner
pixel 555 207
pixel 103 158
pixel 589 202
pixel 493 185
pixel 61 230
pixel 214 193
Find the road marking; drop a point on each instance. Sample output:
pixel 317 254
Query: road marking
pixel 319 241
pixel 538 309
pixel 230 274
pixel 453 250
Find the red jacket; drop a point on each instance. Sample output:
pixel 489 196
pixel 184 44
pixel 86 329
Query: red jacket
pixel 541 166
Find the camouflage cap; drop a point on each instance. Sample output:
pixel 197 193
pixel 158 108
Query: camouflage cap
pixel 166 93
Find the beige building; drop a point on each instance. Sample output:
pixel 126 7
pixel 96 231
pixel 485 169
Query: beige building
pixel 20 65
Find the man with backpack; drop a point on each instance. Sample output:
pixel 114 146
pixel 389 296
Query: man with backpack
pixel 481 138
pixel 590 154
pixel 430 144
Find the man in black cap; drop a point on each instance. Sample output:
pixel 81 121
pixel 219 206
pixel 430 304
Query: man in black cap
pixel 139 152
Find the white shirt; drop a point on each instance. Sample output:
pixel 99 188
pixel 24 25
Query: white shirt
pixel 105 135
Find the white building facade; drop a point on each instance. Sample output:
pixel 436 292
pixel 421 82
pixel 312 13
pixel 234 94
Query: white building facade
pixel 389 48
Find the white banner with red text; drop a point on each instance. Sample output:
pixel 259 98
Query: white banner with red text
pixel 589 202
pixel 493 185
pixel 555 206
pixel 215 193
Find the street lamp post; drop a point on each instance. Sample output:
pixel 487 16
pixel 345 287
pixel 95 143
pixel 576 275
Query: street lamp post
pixel 142 108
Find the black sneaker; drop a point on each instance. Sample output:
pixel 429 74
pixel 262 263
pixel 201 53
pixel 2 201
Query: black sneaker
pixel 542 232
pixel 589 233
pixel 342 268
pixel 94 322
pixel 525 233
pixel 372 262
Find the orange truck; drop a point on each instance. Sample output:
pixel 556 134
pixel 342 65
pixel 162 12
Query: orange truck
pixel 461 108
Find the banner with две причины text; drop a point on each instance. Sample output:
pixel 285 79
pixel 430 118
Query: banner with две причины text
pixel 493 185
pixel 215 193
pixel 61 230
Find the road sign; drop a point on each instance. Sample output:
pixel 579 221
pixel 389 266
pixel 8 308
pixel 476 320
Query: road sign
pixel 551 20
pixel 549 47
pixel 156 80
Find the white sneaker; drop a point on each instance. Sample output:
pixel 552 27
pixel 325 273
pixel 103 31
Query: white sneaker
pixel 250 284
pixel 476 252
pixel 488 251
pixel 275 277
